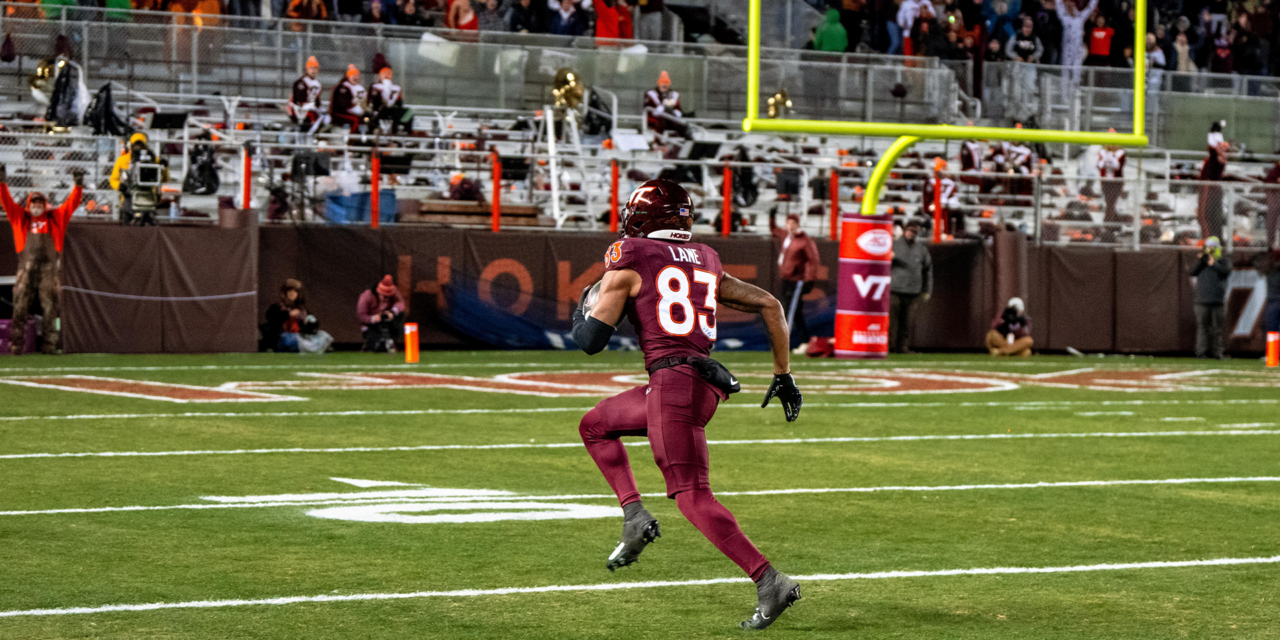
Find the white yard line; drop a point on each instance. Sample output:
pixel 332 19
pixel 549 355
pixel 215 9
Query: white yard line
pixel 1048 405
pixel 1225 431
pixel 618 586
pixel 356 498
pixel 1247 425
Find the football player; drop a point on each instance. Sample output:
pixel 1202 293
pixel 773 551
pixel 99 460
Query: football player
pixel 669 288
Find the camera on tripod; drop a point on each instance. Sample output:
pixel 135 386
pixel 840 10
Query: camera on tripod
pixel 142 188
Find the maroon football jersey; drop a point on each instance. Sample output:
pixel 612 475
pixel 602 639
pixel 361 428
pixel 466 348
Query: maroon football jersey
pixel 675 312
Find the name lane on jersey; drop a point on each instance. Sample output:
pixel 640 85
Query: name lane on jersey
pixel 682 254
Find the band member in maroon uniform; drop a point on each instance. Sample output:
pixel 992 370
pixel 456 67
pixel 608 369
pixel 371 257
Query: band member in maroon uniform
pixel 386 99
pixel 347 106
pixel 38 232
pixel 669 289
pixel 662 107
pixel 304 101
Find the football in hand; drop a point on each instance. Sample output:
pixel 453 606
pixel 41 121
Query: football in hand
pixel 589 302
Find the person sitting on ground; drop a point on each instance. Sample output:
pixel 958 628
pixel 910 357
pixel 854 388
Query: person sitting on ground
pixel 380 311
pixel 289 328
pixel 1010 333
pixel 283 316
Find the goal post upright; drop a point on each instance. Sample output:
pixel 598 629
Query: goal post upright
pixel 753 121
pixel 866 241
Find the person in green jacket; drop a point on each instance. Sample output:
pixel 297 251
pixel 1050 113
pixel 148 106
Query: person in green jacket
pixel 831 35
pixel 52 9
pixel 123 10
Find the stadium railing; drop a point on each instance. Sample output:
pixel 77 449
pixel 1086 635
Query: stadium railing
pixel 1088 210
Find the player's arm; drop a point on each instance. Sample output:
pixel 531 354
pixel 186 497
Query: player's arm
pixel 592 332
pixel 749 298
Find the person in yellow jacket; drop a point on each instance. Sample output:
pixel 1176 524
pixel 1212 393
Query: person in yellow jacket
pixel 121 180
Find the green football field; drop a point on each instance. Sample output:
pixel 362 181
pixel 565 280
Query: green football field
pixel 353 496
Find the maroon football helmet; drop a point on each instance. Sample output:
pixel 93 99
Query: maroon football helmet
pixel 658 209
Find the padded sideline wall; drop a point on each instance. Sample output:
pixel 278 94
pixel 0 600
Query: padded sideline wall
pixel 1089 298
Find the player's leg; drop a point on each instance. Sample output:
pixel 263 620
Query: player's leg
pixel 679 406
pixel 601 428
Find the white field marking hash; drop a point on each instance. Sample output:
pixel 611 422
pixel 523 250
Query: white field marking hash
pixel 246 396
pixel 1094 414
pixel 1182 419
pixel 399 498
pixel 1045 405
pixel 617 586
pixel 1247 425
pixel 641 443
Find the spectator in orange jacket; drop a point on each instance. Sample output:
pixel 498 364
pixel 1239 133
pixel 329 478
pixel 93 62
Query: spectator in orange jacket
pixel 38 232
pixel 797 269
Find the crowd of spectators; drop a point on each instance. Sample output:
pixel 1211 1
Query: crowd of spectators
pixel 1217 36
pixel 600 18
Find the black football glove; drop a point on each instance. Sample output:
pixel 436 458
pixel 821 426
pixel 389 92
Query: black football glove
pixel 784 387
pixel 77 176
pixel 4 177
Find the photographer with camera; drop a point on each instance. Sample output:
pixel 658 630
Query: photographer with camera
pixel 1010 333
pixel 137 175
pixel 38 232
pixel 1211 275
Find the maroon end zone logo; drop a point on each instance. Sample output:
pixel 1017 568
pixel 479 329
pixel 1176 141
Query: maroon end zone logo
pixel 595 384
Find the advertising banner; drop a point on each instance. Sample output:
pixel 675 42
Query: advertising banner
pixel 862 292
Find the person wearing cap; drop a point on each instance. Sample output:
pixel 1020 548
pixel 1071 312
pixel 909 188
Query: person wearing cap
pixel 347 105
pixel 1010 333
pixel 304 102
pixel 1211 274
pixel 38 234
pixel 380 311
pixel 910 282
pixel 386 100
pixel 798 270
pixel 662 107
